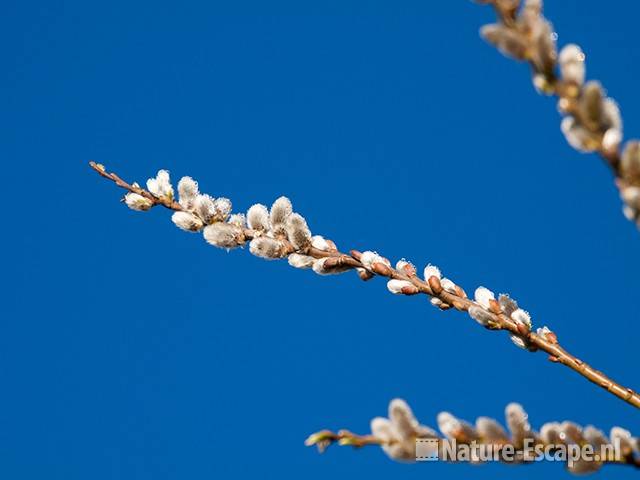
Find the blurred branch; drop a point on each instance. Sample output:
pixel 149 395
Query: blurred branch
pixel 280 233
pixel 592 122
pixel 403 438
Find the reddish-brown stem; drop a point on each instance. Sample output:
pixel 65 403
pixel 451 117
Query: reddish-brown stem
pixel 459 300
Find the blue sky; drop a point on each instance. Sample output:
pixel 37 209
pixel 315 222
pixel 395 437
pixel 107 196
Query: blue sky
pixel 132 350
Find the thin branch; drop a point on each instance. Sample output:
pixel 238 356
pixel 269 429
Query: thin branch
pixel 403 438
pixel 294 241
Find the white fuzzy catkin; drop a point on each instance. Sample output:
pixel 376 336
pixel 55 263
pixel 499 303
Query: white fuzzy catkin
pixel 187 221
pixel 448 285
pixel 507 304
pixel 550 433
pixel 223 235
pixel 572 67
pixel 578 136
pixel 518 341
pixel 518 423
pixel 542 331
pixel 319 242
pixel 452 427
pixel 483 296
pixel 238 219
pixel 187 192
pixel 297 260
pixel 522 317
pixel 222 209
pixel 258 217
pixel 630 160
pixel 280 211
pixel 267 248
pixel 403 419
pixel 403 265
pixel 320 268
pixel 508 42
pixel 160 186
pixel 432 271
pixel 368 258
pixel 396 286
pixel 627 443
pixel 480 315
pixel 393 446
pixel 137 202
pixel 611 139
pixel 490 430
pixel 204 208
pixel 298 232
pixel 595 437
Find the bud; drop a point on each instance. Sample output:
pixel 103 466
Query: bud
pixel 280 211
pixel 454 428
pixel 507 304
pixel 547 334
pixel 137 202
pixel 627 444
pixel 611 140
pixel 630 161
pixel 298 232
pixel 205 208
pixel 224 235
pixel 432 271
pixel 448 286
pixel 591 105
pixel 483 296
pixel 392 445
pixel 406 267
pixel 267 248
pixel 572 66
pixel 222 208
pixel 578 136
pixel 319 242
pixel 550 433
pixel 402 419
pixel 187 192
pixel 187 221
pixel 522 317
pixel 258 217
pixel 510 43
pixel 631 196
pixel 321 267
pixel 491 431
pixel 160 186
pixel 300 261
pixel 238 219
pixel 402 287
pixel 518 424
pixel 368 258
pixel 518 341
pixel 481 316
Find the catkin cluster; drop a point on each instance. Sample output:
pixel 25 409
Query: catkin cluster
pixel 591 120
pixel 397 435
pixel 278 232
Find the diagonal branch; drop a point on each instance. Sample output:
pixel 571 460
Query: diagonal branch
pixel 284 234
pixel 403 438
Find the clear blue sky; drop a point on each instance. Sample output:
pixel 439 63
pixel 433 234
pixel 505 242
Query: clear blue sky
pixel 132 350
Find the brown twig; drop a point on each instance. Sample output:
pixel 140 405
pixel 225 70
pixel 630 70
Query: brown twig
pixel 499 320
